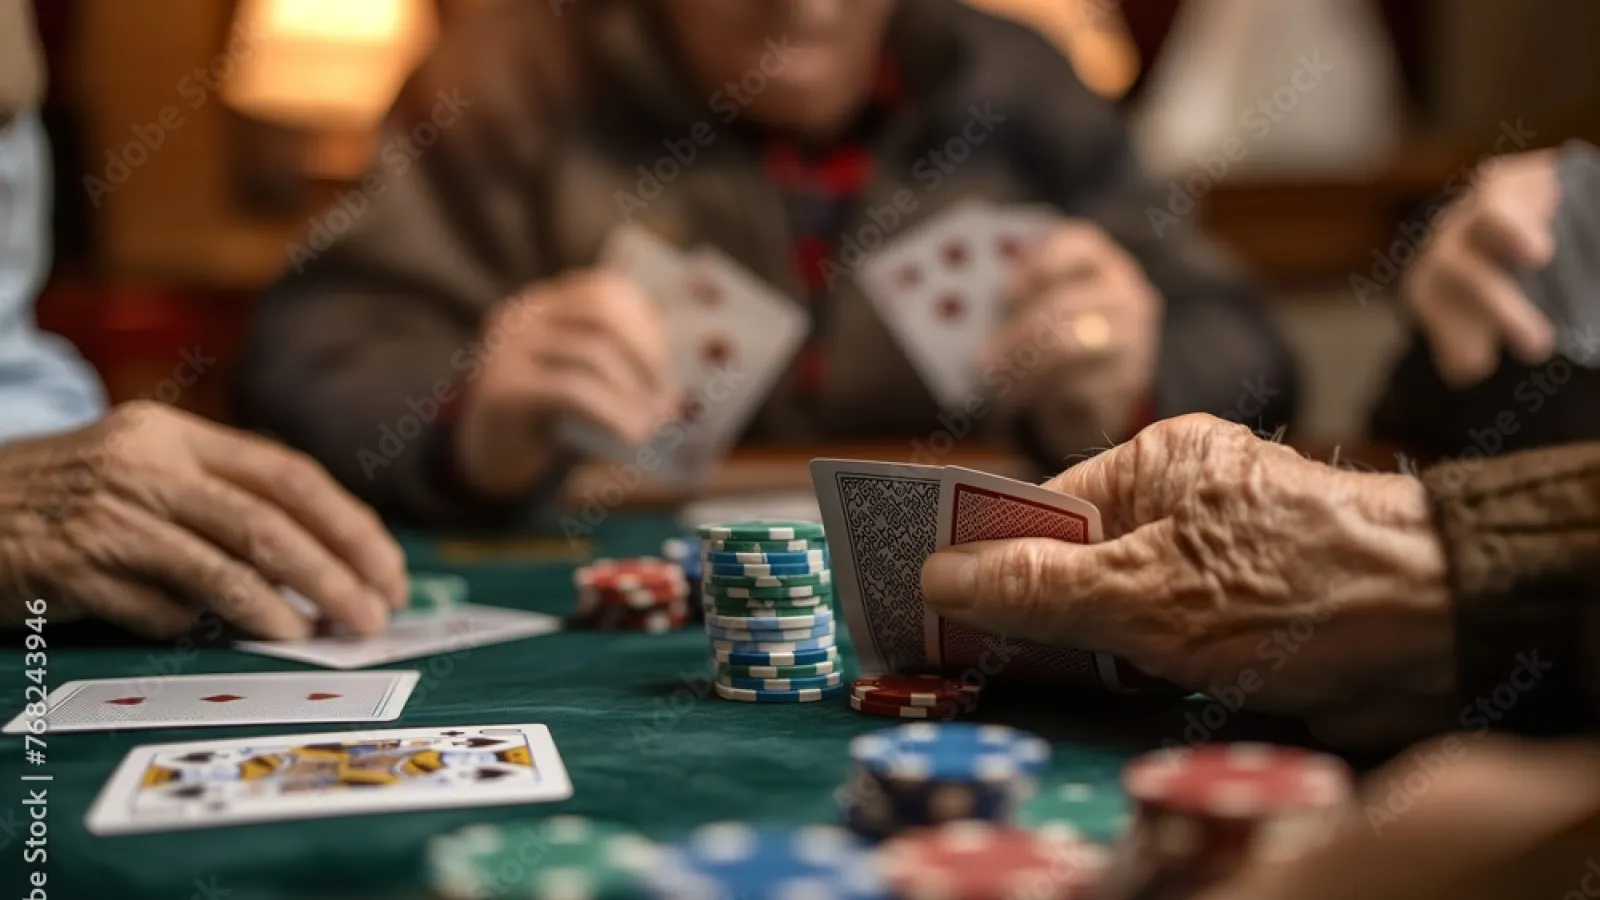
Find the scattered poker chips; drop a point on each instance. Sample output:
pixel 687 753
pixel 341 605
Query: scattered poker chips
pixel 559 858
pixel 767 596
pixel 913 696
pixel 735 861
pixel 973 860
pixel 1202 814
pixel 639 594
pixel 925 774
pixel 435 592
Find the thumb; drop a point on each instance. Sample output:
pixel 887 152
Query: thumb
pixel 1044 590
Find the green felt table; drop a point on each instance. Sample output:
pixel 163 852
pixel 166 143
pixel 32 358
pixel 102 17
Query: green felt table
pixel 644 739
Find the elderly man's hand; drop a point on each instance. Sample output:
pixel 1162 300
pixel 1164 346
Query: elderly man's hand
pixel 1234 564
pixel 1460 289
pixel 1083 337
pixel 151 516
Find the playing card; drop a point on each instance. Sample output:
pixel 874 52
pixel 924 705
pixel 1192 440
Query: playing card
pixel 1571 281
pixel 203 784
pixel 1015 230
pixel 732 338
pixel 186 701
pixel 882 524
pixel 939 290
pixel 977 506
pixel 412 635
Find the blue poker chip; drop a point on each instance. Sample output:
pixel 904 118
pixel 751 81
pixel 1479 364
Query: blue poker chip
pixel 742 557
pixel 803 695
pixel 762 570
pixel 806 682
pixel 951 751
pixel 776 657
pixel 769 635
pixel 817 643
pixel 804 617
pixel 736 861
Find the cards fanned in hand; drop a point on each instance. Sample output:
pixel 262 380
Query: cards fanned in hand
pixel 732 337
pixel 1567 289
pixel 186 701
pixel 412 635
pixel 204 784
pixel 884 520
pixel 940 289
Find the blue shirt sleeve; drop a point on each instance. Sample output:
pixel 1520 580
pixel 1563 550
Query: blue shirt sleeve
pixel 44 385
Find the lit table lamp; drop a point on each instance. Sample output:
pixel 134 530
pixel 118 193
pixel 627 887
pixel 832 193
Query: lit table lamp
pixel 315 84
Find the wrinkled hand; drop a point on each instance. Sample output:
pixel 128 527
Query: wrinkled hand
pixel 1460 288
pixel 151 516
pixel 1080 347
pixel 1464 817
pixel 1233 565
pixel 588 344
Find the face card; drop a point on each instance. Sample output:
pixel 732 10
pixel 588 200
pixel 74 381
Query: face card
pixel 976 506
pixel 188 701
pixel 882 524
pixel 202 784
pixel 411 636
pixel 939 290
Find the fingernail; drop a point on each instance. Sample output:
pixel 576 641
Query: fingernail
pixel 948 578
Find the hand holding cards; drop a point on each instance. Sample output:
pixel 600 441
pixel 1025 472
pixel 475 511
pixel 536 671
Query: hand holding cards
pixel 883 522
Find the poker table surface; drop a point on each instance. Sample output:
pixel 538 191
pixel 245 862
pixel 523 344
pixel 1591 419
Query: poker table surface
pixel 644 739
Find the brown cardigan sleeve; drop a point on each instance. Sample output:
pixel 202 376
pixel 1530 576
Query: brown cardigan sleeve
pixel 1522 534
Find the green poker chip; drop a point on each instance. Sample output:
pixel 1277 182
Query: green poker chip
pixel 559 858
pixel 802 595
pixel 804 579
pixel 431 592
pixel 762 530
pixel 831 667
pixel 796 546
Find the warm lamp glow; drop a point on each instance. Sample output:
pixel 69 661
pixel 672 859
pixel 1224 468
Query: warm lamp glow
pixel 1092 33
pixel 327 63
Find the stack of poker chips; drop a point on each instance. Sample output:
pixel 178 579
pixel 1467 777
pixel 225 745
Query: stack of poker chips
pixel 979 860
pixel 767 592
pixel 735 861
pixel 642 594
pixel 685 552
pixel 913 697
pixel 559 858
pixel 928 774
pixel 1204 814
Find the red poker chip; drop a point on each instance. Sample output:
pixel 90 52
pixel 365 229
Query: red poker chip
pixel 654 621
pixel 974 860
pixel 916 690
pixel 643 572
pixel 1238 781
pixel 903 711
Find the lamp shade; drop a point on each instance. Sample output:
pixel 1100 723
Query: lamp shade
pixel 323 64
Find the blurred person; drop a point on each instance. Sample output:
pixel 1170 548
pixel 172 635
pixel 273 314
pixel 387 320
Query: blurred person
pixel 1482 375
pixel 147 516
pixel 1380 608
pixel 425 349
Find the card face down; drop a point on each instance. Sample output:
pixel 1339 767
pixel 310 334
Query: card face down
pixel 186 701
pixel 200 784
